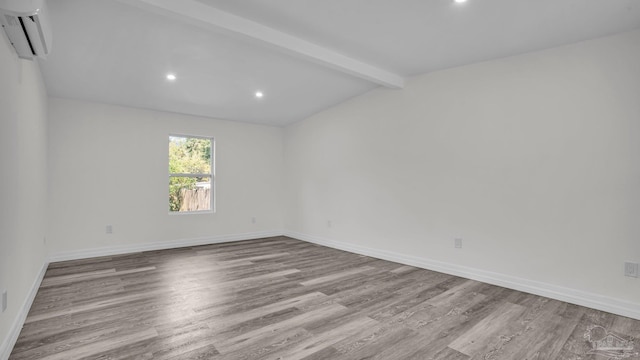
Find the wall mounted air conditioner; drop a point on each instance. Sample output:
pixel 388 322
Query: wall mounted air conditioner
pixel 26 24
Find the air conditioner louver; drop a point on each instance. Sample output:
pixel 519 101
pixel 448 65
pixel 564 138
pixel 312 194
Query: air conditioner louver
pixel 28 32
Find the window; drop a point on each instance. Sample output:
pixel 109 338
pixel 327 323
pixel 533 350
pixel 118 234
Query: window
pixel 190 174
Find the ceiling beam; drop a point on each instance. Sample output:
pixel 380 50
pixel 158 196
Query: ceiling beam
pixel 209 17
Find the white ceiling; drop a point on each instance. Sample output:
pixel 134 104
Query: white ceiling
pixel 304 55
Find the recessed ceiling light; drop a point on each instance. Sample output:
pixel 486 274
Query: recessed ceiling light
pixel 171 77
pixel 460 1
pixel 259 94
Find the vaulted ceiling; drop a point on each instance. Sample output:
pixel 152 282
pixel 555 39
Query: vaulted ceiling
pixel 303 55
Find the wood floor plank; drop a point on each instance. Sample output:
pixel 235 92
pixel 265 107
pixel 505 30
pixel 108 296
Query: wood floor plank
pixel 403 269
pixel 94 348
pixel 280 298
pixel 226 318
pixel 319 341
pixel 248 337
pixel 58 280
pixel 490 329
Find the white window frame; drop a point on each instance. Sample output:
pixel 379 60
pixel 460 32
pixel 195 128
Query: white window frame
pixel 212 197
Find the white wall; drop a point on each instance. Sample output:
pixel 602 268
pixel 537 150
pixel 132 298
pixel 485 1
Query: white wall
pixel 23 182
pixel 109 165
pixel 533 160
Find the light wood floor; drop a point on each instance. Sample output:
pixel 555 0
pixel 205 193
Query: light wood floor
pixel 280 298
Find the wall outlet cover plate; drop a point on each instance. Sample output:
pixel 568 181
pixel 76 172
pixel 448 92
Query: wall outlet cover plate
pixel 631 269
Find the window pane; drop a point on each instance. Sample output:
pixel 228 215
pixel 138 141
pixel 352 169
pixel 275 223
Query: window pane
pixel 189 193
pixel 189 155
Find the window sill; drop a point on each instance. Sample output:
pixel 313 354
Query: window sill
pixel 204 212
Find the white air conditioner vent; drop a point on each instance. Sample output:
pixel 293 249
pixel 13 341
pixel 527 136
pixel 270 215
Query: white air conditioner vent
pixel 26 24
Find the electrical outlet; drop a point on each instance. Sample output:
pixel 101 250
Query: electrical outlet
pixel 4 300
pixel 457 243
pixel 631 269
pixel 253 220
pixel 109 229
pixel 328 223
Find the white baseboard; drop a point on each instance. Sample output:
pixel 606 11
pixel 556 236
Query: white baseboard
pixel 573 296
pixel 578 297
pixel 126 249
pixel 16 327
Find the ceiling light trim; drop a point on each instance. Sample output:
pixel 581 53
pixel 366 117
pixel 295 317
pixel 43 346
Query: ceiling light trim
pixel 209 17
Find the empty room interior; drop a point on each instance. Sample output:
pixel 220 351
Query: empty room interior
pixel 320 179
